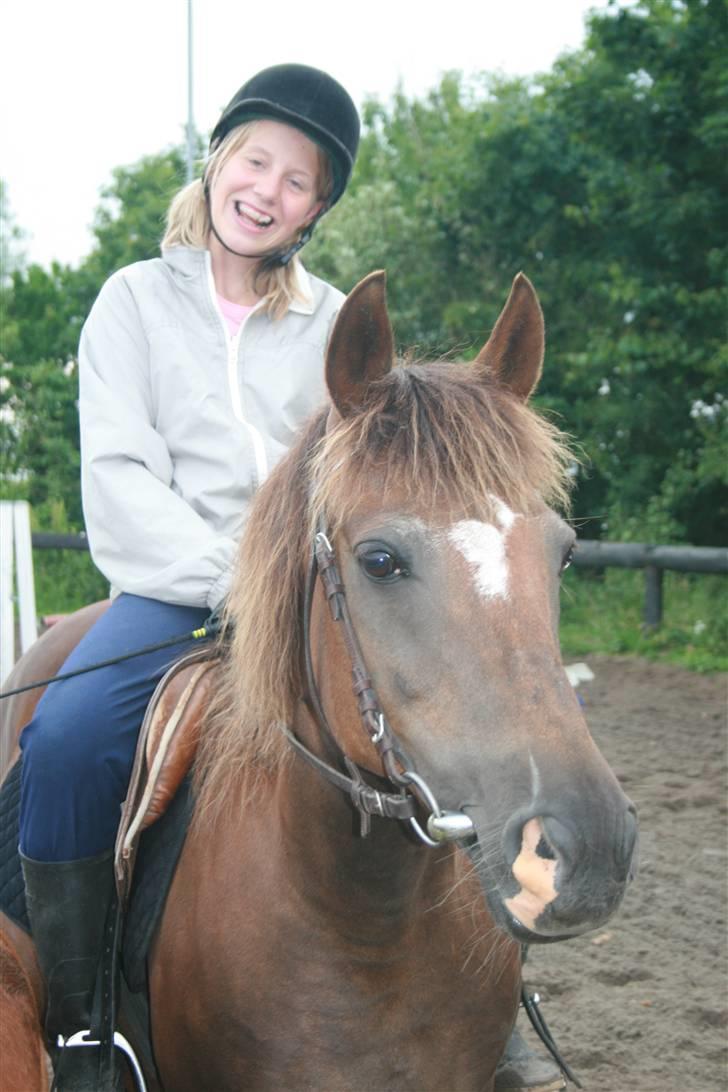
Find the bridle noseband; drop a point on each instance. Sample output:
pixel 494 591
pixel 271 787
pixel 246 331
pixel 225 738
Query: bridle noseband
pixel 413 792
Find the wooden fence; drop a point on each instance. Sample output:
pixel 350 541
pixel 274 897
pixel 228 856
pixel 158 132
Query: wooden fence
pixel 654 560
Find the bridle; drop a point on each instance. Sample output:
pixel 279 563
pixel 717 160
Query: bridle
pixel 413 793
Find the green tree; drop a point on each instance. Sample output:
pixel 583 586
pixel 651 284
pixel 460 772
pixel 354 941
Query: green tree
pixel 647 107
pixel 129 222
pixel 43 312
pixel 42 317
pixel 604 181
pixel 12 256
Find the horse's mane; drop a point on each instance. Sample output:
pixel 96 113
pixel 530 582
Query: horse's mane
pixel 434 433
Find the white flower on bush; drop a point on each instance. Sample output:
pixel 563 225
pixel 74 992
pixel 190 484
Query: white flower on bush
pixel 706 410
pixel 604 387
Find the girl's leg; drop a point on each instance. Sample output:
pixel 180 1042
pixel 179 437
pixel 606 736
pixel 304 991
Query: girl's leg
pixel 77 756
pixel 79 747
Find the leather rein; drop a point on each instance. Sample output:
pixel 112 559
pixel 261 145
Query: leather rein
pixel 412 794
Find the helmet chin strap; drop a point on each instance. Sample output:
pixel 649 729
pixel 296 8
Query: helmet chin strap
pixel 285 257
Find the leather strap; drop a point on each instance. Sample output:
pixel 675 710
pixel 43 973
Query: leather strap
pixel 367 800
pixel 365 797
pixel 374 722
pixel 530 1003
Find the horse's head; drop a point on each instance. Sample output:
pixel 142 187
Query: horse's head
pixel 436 481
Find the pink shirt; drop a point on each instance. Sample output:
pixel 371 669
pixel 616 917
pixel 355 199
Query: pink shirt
pixel 233 313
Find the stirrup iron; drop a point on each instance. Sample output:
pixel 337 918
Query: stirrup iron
pixel 80 1039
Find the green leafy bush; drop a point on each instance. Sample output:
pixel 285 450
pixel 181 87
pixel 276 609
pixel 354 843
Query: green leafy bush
pixel 65 580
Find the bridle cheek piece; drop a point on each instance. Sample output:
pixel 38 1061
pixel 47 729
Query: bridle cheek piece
pixel 413 792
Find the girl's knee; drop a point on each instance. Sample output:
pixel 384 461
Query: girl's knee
pixel 59 748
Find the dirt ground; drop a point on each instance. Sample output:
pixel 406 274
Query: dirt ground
pixel 642 1005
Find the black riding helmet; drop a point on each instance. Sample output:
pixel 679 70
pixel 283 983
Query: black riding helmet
pixel 306 98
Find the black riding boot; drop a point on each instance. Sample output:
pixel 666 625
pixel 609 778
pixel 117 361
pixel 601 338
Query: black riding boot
pixel 522 1070
pixel 67 907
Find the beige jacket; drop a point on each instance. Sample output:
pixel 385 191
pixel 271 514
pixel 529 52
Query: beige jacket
pixel 180 423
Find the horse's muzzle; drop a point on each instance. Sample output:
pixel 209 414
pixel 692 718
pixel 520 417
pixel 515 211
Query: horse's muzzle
pixel 567 878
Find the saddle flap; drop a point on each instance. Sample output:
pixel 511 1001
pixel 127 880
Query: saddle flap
pixel 165 751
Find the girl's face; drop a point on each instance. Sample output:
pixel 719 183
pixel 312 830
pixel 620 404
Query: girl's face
pixel 267 190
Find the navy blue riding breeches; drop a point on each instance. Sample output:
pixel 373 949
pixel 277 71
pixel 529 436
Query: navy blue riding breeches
pixel 79 747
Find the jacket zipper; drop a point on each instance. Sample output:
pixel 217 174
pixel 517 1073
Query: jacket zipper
pixel 233 352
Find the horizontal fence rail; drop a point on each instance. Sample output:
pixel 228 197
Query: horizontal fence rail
pixel 593 554
pixel 49 541
pixel 589 554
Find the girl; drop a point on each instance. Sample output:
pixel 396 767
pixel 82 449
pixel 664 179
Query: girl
pixel 196 370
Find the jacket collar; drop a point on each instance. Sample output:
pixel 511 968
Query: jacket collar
pixel 190 261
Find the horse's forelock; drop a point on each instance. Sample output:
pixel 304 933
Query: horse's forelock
pixel 438 434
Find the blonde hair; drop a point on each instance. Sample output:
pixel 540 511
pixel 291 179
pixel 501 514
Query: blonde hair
pixel 188 220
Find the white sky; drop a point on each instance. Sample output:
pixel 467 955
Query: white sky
pixel 89 85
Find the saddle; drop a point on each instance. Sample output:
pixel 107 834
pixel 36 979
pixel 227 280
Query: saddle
pixel 154 818
pixel 165 751
pixel 153 827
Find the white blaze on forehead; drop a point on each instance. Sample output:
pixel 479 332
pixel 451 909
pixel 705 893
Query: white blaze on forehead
pixel 484 547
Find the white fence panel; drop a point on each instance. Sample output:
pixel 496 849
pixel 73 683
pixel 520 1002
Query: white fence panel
pixel 16 569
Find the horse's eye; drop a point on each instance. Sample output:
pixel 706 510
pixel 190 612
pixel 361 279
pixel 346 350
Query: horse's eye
pixel 381 564
pixel 568 558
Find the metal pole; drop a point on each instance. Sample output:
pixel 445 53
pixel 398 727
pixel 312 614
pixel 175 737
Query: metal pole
pixel 190 122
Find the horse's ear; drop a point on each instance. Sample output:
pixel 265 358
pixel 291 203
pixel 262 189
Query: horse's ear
pixel 361 347
pixel 514 350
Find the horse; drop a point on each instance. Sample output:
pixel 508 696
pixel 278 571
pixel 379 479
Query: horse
pixel 395 788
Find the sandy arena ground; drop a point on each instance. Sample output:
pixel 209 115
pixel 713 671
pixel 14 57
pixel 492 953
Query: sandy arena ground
pixel 642 1005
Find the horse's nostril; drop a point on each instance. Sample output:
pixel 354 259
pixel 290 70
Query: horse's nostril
pixel 543 849
pixel 562 841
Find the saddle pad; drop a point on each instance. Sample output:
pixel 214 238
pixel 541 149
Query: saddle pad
pixel 159 849
pixel 12 888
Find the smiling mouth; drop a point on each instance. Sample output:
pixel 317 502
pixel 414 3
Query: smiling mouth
pixel 250 215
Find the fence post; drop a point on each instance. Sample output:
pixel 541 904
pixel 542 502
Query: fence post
pixel 7 612
pixel 653 596
pixel 16 559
